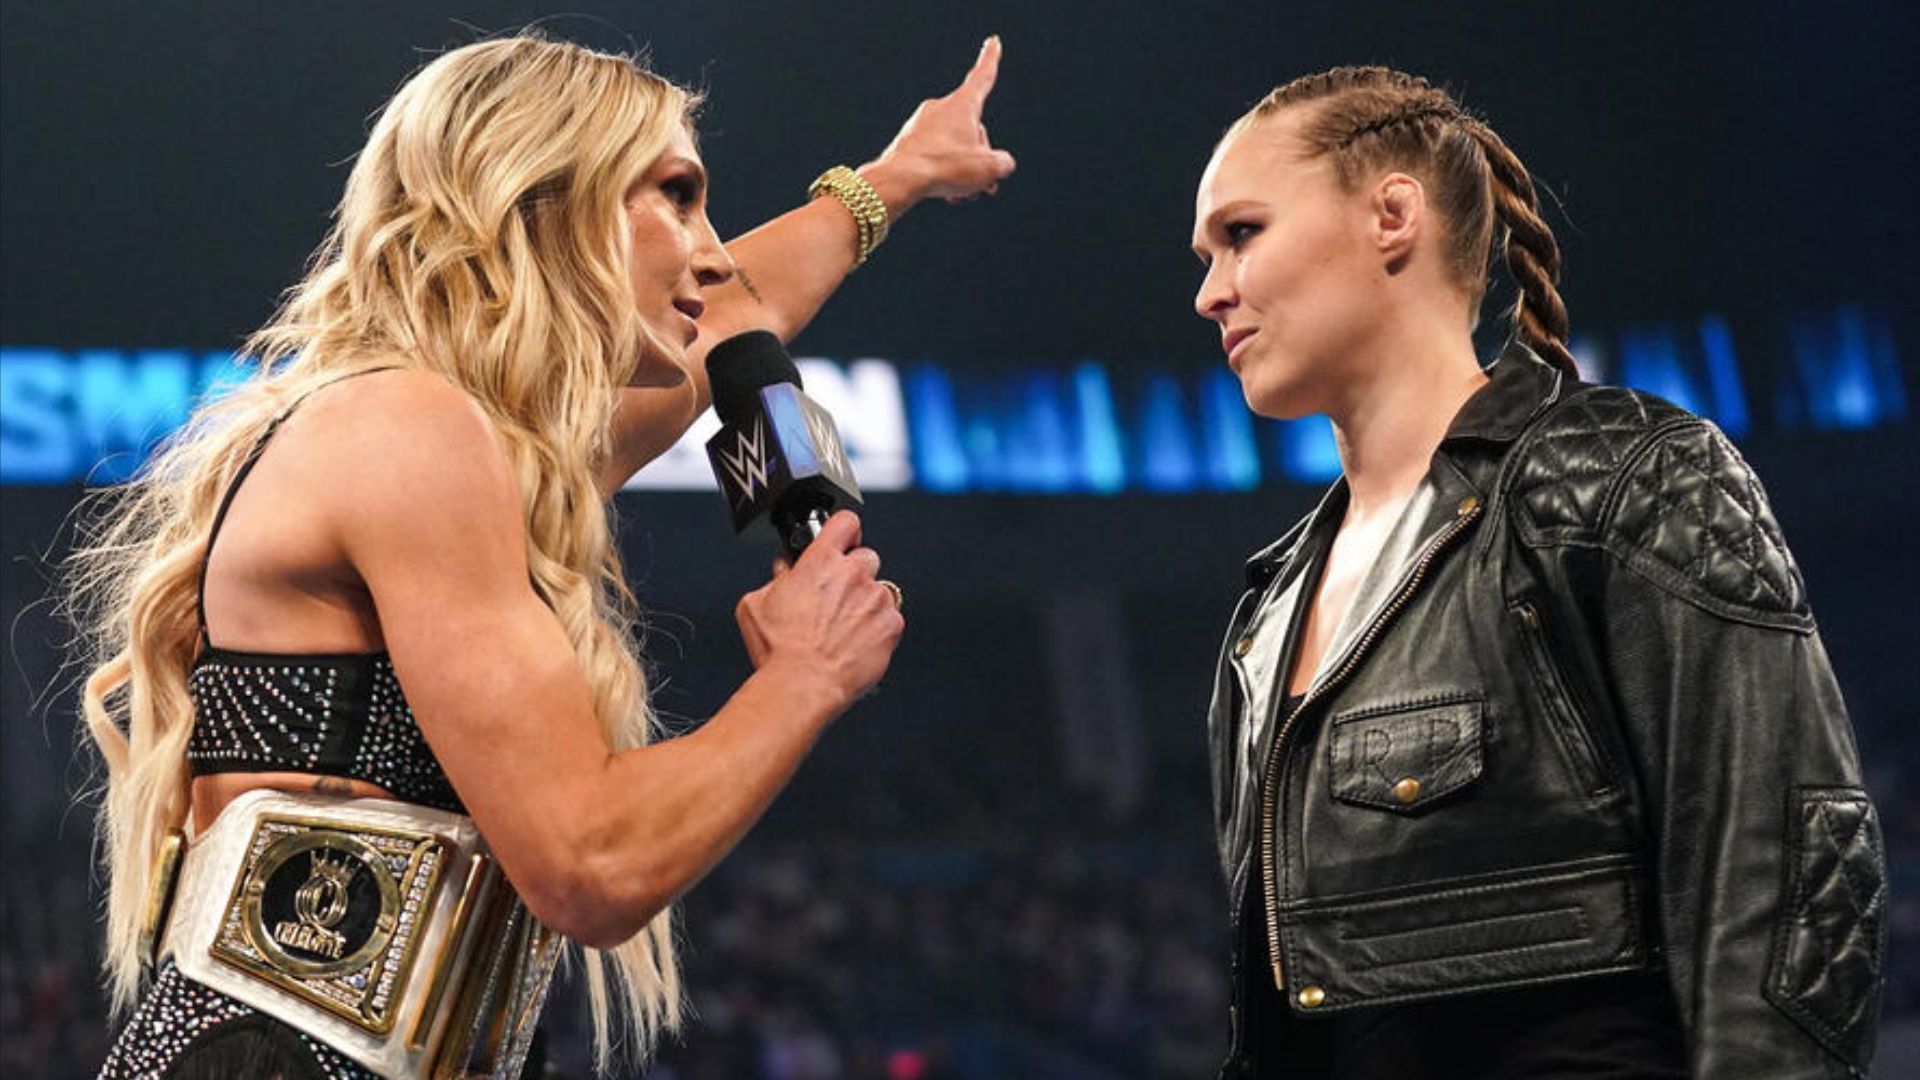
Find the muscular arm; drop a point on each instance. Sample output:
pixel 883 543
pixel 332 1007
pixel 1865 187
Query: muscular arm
pixel 597 841
pixel 787 268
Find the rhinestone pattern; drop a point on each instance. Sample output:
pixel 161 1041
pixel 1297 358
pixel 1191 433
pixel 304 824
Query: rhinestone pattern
pixel 337 715
pixel 176 1013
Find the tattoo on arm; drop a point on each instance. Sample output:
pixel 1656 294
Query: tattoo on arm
pixel 746 282
pixel 333 785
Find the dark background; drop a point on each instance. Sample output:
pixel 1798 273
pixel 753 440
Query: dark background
pixel 1001 865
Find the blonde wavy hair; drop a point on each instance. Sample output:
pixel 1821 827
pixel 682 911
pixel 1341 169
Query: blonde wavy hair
pixel 479 238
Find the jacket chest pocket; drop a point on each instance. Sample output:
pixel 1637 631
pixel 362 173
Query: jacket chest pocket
pixel 1404 758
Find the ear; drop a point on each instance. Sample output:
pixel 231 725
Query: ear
pixel 1399 210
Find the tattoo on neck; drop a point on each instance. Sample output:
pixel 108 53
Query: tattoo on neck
pixel 746 282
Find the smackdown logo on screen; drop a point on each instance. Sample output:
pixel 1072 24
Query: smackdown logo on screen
pixel 94 415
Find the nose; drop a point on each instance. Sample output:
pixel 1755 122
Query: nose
pixel 711 264
pixel 1217 293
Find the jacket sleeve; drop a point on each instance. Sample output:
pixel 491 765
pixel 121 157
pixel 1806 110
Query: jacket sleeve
pixel 1770 876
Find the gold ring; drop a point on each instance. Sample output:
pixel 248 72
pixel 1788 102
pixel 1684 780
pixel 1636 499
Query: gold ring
pixel 899 598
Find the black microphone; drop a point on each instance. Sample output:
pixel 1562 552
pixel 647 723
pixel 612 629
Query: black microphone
pixel 778 454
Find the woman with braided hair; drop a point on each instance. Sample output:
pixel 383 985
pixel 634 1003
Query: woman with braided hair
pixel 1527 759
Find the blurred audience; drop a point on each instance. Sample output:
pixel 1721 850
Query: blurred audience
pixel 941 931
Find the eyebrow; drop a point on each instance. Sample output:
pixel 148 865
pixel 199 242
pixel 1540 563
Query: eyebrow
pixel 1212 221
pixel 681 160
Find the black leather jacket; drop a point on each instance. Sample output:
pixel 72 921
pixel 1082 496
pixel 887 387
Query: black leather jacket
pixel 1584 726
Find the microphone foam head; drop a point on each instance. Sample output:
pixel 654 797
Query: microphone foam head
pixel 741 366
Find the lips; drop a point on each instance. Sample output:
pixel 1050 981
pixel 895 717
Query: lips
pixel 1233 339
pixel 692 309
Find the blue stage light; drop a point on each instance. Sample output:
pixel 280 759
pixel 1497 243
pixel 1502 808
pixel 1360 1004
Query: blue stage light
pixel 1233 459
pixel 1167 459
pixel 939 455
pixel 1849 372
pixel 1723 376
pixel 1041 451
pixel 1650 360
pixel 1308 453
pixel 1102 463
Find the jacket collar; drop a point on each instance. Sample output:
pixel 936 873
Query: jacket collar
pixel 1519 387
pixel 1268 561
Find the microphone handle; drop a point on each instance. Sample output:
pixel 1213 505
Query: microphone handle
pixel 798 532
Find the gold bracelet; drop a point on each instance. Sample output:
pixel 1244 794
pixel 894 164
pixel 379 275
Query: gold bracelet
pixel 864 203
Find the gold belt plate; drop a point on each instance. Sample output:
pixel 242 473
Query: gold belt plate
pixel 332 912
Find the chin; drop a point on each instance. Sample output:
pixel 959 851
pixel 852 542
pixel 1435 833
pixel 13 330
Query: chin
pixel 659 372
pixel 1276 399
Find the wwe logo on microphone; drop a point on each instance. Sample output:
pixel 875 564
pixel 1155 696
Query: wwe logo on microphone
pixel 747 466
pixel 826 441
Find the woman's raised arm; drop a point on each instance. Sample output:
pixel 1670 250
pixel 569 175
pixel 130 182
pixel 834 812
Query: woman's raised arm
pixel 786 268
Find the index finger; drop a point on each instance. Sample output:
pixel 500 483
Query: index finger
pixel 979 81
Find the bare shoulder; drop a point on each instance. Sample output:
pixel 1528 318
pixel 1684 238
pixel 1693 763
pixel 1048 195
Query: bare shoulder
pixel 405 435
pixel 404 413
pixel 397 455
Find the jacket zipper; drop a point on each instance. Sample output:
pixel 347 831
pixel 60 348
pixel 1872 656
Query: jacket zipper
pixel 1571 728
pixel 1470 510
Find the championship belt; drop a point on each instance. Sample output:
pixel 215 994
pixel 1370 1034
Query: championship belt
pixel 383 929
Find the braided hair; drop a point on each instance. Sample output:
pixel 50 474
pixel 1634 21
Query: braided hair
pixel 1369 118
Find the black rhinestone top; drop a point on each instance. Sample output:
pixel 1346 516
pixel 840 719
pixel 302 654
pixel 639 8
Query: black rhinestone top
pixel 340 715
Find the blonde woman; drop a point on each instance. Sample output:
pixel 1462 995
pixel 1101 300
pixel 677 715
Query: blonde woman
pixel 362 636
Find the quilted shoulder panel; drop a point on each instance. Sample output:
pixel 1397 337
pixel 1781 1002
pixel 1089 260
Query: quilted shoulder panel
pixel 1690 514
pixel 1571 459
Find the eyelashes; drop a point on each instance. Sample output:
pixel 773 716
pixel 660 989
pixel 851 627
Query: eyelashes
pixel 682 191
pixel 1236 233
